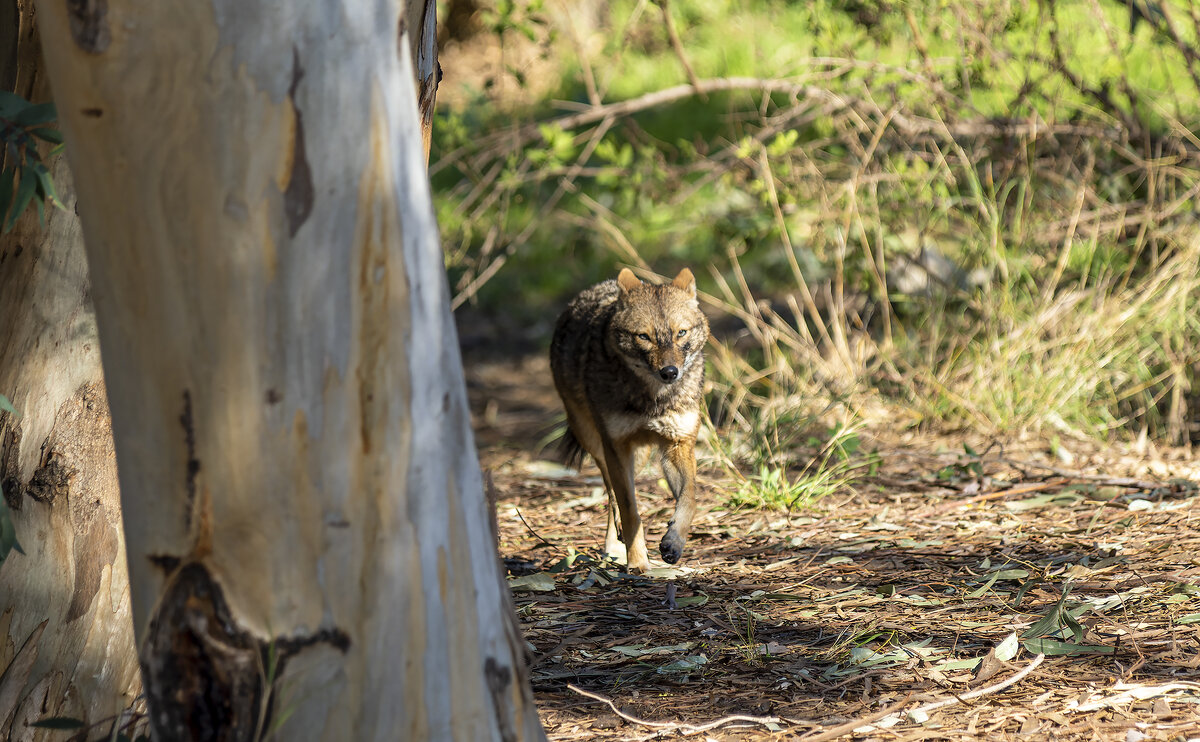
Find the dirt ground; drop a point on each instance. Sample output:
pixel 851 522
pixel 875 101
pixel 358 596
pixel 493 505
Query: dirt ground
pixel 866 615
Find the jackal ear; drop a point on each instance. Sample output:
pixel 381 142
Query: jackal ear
pixel 685 281
pixel 627 281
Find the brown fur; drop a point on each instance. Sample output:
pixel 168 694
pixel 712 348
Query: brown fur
pixel 612 355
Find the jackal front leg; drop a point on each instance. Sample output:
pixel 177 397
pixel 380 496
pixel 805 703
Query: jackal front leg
pixel 612 534
pixel 679 468
pixel 619 458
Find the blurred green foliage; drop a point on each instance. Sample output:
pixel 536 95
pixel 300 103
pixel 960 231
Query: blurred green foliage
pixel 25 178
pixel 981 212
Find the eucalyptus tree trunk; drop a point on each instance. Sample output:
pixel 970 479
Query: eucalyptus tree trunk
pixel 66 634
pixel 307 536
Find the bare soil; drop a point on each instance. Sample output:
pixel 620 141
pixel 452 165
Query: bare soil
pixel 812 624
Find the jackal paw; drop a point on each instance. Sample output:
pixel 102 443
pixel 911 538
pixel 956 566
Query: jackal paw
pixel 671 547
pixel 615 552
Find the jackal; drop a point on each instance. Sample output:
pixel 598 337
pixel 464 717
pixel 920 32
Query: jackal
pixel 628 362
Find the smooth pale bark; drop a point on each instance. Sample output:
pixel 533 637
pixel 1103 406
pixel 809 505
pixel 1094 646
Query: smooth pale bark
pixel 66 634
pixel 297 470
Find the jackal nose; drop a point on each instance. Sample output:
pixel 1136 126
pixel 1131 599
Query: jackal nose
pixel 668 373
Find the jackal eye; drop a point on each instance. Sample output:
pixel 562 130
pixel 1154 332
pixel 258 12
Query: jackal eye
pixel 644 336
pixel 681 333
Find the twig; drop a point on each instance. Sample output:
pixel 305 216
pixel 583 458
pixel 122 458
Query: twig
pixel 589 79
pixel 810 304
pixel 850 726
pixel 958 698
pixel 613 63
pixel 677 45
pixel 906 125
pixel 1077 476
pixel 677 726
pixel 568 639
pixel 536 535
pixel 1099 480
pixel 567 183
pixel 1020 489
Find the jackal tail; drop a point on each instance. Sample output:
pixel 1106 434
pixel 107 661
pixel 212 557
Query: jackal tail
pixel 570 452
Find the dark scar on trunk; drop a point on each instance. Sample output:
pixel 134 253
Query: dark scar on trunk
pixel 204 674
pixel 299 195
pixel 89 24
pixel 193 463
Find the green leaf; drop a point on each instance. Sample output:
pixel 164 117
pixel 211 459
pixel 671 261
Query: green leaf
pixel 783 143
pixel 641 650
pixel 1012 574
pixel 1024 588
pixel 8 532
pixel 562 565
pixel 550 132
pixel 1047 624
pixel 11 104
pixel 1007 649
pixel 58 722
pixel 668 573
pixel 969 664
pixel 8 406
pixel 48 134
pixel 541 582
pixel 1056 620
pixel 1047 500
pixel 687 664
pixel 1054 647
pixel 1074 625
pixel 978 592
pixel 41 113
pixel 47 184
pixel 25 193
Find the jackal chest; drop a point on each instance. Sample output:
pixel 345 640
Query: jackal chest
pixel 673 426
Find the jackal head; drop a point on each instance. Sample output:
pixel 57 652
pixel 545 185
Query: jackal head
pixel 659 331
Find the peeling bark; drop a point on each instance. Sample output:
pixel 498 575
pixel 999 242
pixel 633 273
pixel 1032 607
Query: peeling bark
pixel 66 634
pixel 419 26
pixel 298 472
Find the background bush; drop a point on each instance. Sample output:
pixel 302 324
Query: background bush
pixel 964 215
